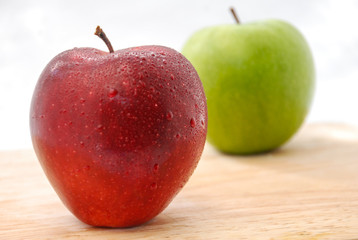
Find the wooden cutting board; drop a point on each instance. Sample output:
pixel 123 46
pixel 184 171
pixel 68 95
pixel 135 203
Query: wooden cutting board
pixel 306 190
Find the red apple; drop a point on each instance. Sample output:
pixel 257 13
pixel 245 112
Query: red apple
pixel 118 134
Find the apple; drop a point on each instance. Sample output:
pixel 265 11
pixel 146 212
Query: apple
pixel 259 82
pixel 118 134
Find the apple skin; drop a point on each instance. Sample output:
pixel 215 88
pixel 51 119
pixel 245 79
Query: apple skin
pixel 118 134
pixel 259 82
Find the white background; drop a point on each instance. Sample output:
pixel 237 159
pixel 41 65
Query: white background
pixel 33 32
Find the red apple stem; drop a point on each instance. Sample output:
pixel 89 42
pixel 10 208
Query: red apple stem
pixel 235 15
pixel 99 32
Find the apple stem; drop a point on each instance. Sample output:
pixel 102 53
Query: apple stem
pixel 235 15
pixel 99 32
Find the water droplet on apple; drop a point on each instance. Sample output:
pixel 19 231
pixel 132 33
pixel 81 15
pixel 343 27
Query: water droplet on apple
pixel 171 76
pixel 177 136
pixel 153 186
pixel 82 100
pixel 192 122
pixel 156 167
pixel 170 115
pixel 112 92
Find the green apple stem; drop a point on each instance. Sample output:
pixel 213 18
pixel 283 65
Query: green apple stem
pixel 99 32
pixel 235 15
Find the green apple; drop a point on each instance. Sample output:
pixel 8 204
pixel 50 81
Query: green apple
pixel 259 82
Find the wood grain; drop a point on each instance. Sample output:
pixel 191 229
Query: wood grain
pixel 306 190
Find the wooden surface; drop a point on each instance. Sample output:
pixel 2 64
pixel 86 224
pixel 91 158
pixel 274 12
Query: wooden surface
pixel 306 190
